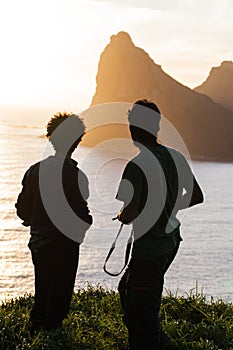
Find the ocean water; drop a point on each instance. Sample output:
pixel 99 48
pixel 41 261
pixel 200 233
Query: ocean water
pixel 205 256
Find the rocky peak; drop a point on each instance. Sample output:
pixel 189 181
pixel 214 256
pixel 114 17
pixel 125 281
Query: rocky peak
pixel 227 65
pixel 127 73
pixel 219 84
pixel 121 38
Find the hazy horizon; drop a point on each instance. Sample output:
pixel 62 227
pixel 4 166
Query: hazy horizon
pixel 51 48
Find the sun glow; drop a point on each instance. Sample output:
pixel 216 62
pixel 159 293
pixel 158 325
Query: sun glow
pixel 50 48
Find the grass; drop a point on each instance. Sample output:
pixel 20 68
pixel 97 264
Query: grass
pixel 95 322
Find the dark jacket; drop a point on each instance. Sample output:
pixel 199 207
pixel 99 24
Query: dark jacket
pixel 29 205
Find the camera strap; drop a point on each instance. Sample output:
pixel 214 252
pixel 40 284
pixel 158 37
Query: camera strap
pixel 127 252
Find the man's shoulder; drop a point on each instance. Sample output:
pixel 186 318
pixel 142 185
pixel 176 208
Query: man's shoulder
pixel 34 167
pixel 133 164
pixel 173 152
pixel 72 169
pixel 182 164
pixel 74 164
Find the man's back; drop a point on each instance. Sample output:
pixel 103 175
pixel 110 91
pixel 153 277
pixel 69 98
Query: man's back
pixel 159 184
pixel 53 202
pixel 42 177
pixel 157 174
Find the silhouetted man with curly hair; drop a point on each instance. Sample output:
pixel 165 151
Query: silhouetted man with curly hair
pixel 53 202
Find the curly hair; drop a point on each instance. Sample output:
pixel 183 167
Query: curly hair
pixel 71 130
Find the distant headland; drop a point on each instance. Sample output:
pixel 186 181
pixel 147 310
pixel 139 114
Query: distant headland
pixel 219 84
pixel 127 73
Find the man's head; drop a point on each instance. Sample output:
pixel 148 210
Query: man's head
pixel 65 131
pixel 144 119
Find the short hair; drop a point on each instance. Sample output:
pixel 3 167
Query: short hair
pixel 144 119
pixel 73 126
pixel 147 103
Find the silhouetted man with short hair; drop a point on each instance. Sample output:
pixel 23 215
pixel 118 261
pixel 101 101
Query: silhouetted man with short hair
pixel 155 185
pixel 53 202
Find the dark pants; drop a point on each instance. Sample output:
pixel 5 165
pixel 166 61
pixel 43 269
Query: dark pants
pixel 140 292
pixel 55 268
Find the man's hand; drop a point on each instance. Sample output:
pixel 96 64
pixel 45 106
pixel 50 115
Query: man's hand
pixel 128 214
pixel 122 217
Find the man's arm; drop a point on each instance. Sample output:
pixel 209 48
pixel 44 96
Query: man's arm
pixel 24 204
pixel 76 188
pixel 193 196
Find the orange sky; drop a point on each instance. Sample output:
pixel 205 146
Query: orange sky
pixel 50 48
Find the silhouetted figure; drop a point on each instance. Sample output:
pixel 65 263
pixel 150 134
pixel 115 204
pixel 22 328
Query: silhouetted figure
pixel 155 185
pixel 53 202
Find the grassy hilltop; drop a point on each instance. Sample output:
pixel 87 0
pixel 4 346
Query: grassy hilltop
pixel 95 323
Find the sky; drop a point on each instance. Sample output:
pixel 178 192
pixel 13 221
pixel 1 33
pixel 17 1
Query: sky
pixel 50 49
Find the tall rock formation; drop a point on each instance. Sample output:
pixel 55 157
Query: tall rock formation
pixel 219 84
pixel 127 73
